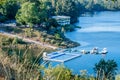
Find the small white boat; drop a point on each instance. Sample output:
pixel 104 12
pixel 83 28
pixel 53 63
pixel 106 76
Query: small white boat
pixel 104 51
pixel 85 52
pixel 94 50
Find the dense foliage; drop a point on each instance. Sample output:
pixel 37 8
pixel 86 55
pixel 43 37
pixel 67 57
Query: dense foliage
pixel 67 7
pixel 9 8
pixel 100 5
pixel 40 10
pixel 106 69
pixel 28 14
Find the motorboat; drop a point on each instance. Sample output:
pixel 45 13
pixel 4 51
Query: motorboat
pixel 104 51
pixel 94 50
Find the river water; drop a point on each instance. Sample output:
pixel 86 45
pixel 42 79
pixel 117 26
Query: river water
pixel 99 30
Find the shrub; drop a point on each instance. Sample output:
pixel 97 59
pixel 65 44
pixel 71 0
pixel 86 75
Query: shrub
pixel 18 41
pixel 63 43
pixel 52 41
pixel 47 40
pixel 57 36
pixel 44 34
pixel 29 32
pixel 7 41
pixel 57 44
pixel 43 39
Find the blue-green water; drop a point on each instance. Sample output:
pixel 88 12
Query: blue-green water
pixel 100 30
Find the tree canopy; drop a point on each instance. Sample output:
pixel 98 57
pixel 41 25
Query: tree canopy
pixel 40 11
pixel 28 14
pixel 9 8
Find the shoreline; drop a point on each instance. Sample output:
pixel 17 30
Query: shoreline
pixel 40 37
pixel 71 45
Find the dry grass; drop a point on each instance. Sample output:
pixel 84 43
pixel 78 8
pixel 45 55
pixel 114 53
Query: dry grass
pixel 36 47
pixel 15 66
pixel 11 67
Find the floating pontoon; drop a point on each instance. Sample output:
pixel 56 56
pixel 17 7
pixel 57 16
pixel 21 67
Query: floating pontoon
pixel 60 57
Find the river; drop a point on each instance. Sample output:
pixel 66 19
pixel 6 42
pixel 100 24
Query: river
pixel 99 30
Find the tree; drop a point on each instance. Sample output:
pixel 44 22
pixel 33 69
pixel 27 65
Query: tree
pixel 9 8
pixel 68 8
pixel 46 5
pixel 105 69
pixel 28 14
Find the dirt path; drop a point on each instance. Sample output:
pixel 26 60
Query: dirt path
pixel 28 40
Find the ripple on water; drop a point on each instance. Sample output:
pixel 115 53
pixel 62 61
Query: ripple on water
pixel 100 29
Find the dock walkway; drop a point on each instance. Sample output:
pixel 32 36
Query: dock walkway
pixel 54 57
